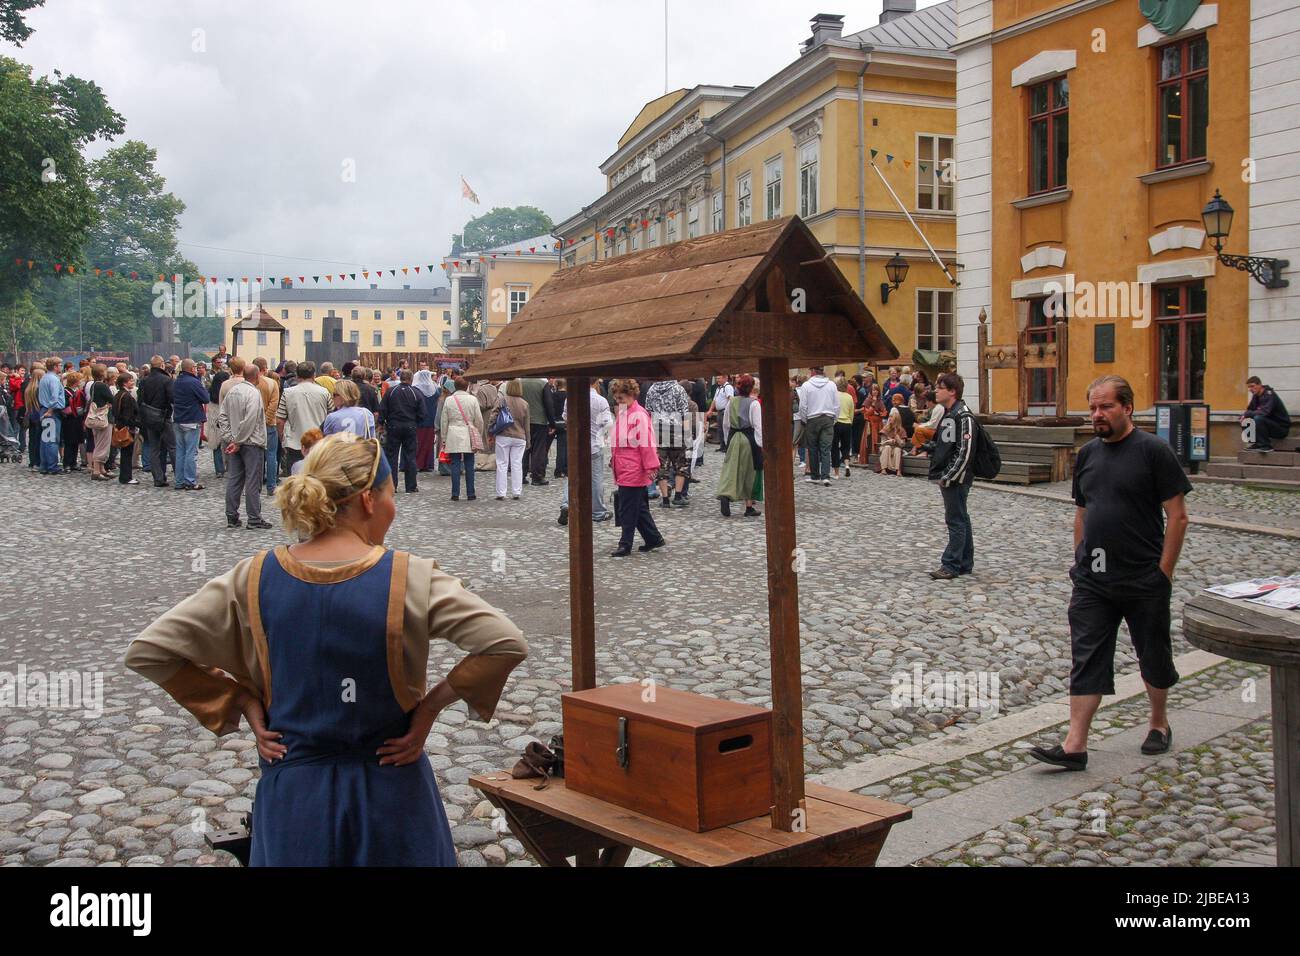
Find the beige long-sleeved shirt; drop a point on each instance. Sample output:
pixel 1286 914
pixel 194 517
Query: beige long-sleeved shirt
pixel 242 418
pixel 219 628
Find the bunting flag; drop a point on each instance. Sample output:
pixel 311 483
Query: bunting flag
pixel 924 167
pixel 875 153
pixel 907 164
pixel 329 278
pixel 403 270
pixel 888 159
pixel 417 271
pixel 302 280
pixel 315 278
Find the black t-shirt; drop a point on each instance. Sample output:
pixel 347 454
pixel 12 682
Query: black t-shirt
pixel 1122 487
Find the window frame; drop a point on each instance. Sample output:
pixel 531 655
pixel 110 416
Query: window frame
pixel 401 339
pixel 809 199
pixel 511 311
pixel 935 336
pixel 377 338
pixel 774 165
pixel 937 185
pixel 717 212
pixel 744 200
pixel 1183 81
pixel 1050 117
pixel 1183 320
pixel 693 220
pixel 424 338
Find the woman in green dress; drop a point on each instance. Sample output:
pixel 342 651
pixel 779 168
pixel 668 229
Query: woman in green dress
pixel 742 469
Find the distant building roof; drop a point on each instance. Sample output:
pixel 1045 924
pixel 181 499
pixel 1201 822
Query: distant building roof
pixel 932 29
pixel 541 245
pixel 438 296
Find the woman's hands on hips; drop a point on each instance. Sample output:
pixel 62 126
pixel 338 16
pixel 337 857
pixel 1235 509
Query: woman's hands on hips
pixel 268 746
pixel 408 748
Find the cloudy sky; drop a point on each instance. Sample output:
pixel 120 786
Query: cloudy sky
pixel 259 110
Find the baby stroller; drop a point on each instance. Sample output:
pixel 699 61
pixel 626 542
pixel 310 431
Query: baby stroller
pixel 10 450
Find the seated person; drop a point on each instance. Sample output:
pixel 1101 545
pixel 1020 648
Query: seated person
pixel 1270 417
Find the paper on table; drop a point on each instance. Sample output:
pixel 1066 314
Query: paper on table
pixel 1251 588
pixel 1284 598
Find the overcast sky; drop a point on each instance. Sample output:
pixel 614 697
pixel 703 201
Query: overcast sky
pixel 256 117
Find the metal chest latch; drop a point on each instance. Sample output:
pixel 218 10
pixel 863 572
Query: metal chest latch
pixel 621 752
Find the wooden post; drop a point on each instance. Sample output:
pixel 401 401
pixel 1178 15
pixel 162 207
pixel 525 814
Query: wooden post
pixel 582 589
pixel 1062 365
pixel 788 812
pixel 1286 761
pixel 1022 375
pixel 982 343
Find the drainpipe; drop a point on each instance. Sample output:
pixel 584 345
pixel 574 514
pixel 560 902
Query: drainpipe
pixel 559 245
pixel 723 175
pixel 866 49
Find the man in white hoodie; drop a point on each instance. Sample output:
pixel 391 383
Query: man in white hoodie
pixel 819 406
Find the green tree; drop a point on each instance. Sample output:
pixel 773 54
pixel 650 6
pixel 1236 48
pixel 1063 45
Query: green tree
pixel 12 27
pixel 47 206
pixel 25 327
pixel 471 315
pixel 501 227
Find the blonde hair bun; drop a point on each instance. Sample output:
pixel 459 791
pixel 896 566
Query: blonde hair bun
pixel 337 467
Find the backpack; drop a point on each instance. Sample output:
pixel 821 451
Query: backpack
pixel 986 462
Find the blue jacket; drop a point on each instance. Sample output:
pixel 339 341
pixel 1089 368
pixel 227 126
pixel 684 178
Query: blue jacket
pixel 189 400
pixel 51 393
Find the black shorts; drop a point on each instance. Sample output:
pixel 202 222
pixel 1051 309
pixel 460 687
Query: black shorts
pixel 1095 613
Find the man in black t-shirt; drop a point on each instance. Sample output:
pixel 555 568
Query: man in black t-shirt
pixel 1125 553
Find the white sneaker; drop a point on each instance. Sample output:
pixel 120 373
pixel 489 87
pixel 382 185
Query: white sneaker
pixel 810 479
pixel 826 482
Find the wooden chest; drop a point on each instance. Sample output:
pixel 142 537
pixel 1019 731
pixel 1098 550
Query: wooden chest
pixel 692 761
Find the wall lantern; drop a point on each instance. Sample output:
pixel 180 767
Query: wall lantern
pixel 1217 217
pixel 896 270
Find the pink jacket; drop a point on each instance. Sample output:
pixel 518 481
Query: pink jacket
pixel 633 457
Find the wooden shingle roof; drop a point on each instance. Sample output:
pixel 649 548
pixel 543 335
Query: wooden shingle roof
pixel 715 304
pixel 258 320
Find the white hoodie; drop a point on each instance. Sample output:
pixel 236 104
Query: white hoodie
pixel 818 396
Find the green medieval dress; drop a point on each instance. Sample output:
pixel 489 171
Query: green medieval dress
pixel 742 469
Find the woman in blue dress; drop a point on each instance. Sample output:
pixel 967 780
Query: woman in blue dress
pixel 322 646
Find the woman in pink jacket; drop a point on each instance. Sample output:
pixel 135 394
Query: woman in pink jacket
pixel 635 461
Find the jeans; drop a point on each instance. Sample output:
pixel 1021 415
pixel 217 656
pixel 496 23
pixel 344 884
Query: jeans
pixel 399 445
pixel 219 460
pixel 186 462
pixel 1266 430
pixel 510 458
pixel 841 448
pixel 598 509
pixel 159 445
pixel 34 445
pixel 51 442
pixel 20 428
pixel 460 460
pixel 272 459
pixel 245 481
pixel 959 556
pixel 818 433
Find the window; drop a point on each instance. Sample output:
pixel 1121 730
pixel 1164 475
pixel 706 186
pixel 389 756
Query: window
pixel 672 229
pixel 286 336
pixel 306 313
pixel 401 315
pixel 401 338
pixel 693 220
pixel 609 246
pixel 446 339
pixel 621 248
pixel 1049 135
pixel 329 314
pixel 377 338
pixel 307 337
pixel 378 314
pixel 744 202
pixel 424 338
pixel 1041 329
pixel 808 162
pixel 651 234
pixel 284 313
pixel 1180 341
pixel 518 299
pixel 446 317
pixel 933 176
pixel 772 187
pixel 636 241
pixel 934 320
pixel 1183 106
pixel 354 313
pixel 717 212
pixel 424 315
pixel 261 338
pixel 354 337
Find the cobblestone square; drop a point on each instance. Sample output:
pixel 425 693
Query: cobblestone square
pixel 135 784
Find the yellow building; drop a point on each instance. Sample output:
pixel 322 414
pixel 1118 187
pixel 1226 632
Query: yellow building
pixel 504 278
pixel 1089 142
pixel 855 136
pixel 374 319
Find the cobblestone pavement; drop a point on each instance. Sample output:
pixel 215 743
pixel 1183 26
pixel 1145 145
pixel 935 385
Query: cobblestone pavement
pixel 1198 807
pixel 1249 504
pixel 90 564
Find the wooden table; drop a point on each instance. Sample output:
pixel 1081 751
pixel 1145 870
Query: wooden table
pixel 1250 632
pixel 842 829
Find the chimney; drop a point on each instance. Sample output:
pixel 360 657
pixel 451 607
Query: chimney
pixel 825 26
pixel 893 9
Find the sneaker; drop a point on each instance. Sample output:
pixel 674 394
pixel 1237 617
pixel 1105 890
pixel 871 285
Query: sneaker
pixel 826 482
pixel 501 497
pixel 943 574
pixel 564 516
pixel 605 517
pixel 666 502
pixel 681 501
pixel 542 481
pixel 753 513
pixel 810 479
pixel 133 481
pixel 1158 743
pixel 233 522
pixel 259 524
pixel 1057 757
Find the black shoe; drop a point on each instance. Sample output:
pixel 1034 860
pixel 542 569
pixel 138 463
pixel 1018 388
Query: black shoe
pixel 160 484
pixel 1158 743
pixel 542 481
pixel 564 516
pixel 259 524
pixel 455 497
pixel 752 513
pixel 942 574
pixel 680 500
pixel 725 504
pixel 620 552
pixel 471 498
pixel 665 502
pixel 1057 757
pixel 233 523
pixel 411 491
pixel 650 547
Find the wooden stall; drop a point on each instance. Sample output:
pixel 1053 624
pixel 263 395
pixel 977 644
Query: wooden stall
pixel 761 298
